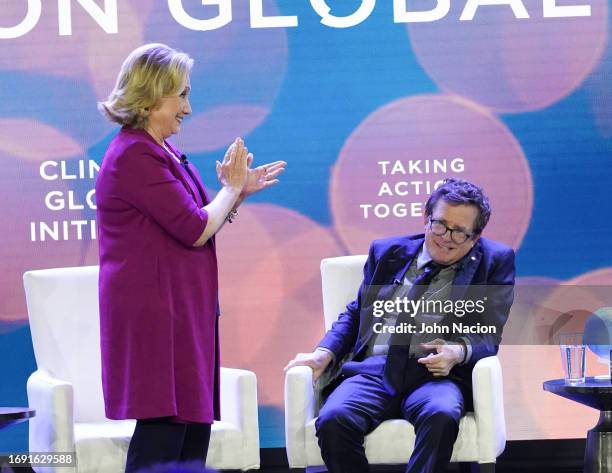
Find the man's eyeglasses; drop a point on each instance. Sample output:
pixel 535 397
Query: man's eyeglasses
pixel 440 229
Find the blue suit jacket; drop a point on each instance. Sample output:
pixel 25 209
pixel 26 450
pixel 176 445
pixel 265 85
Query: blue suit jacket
pixel 489 263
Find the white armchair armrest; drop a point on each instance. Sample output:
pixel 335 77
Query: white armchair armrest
pixel 51 429
pixel 239 388
pixel 488 394
pixel 299 410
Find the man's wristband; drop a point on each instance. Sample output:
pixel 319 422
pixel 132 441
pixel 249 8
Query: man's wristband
pixel 463 345
pixel 333 357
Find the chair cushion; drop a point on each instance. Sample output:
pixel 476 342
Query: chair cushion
pixel 226 447
pixel 101 447
pixel 392 442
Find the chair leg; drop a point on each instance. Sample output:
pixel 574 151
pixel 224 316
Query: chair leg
pixel 465 467
pixel 487 467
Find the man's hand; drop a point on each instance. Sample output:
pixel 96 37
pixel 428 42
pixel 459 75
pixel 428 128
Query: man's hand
pixel 446 357
pixel 318 360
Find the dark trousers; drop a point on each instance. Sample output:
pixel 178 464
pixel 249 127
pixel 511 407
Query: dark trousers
pixel 360 403
pixel 161 441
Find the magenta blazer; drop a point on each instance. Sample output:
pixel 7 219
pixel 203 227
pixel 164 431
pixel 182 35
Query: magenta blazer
pixel 158 294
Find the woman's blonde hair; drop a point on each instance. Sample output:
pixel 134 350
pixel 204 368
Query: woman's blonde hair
pixel 149 73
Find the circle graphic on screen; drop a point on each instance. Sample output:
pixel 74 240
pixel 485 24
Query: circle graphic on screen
pixel 597 277
pixel 510 64
pixel 41 225
pixel 51 144
pixel 270 291
pixel 568 307
pixel 237 72
pixel 61 77
pixel 399 154
pixel 526 324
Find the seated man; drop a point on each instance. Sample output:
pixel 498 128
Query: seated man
pixel 389 375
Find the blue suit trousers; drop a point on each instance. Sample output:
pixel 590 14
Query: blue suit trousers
pixel 360 403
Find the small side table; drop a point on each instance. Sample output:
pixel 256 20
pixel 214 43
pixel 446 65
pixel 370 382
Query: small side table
pixel 595 393
pixel 14 415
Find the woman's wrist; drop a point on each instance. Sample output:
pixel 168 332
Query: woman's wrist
pixel 234 190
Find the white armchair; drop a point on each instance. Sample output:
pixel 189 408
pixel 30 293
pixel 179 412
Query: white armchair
pixel 66 390
pixel 482 433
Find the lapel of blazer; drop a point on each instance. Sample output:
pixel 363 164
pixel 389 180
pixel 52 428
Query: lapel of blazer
pixel 195 186
pixel 394 268
pixel 200 185
pixel 388 275
pixel 180 172
pixel 185 179
pixel 191 183
pixel 466 271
